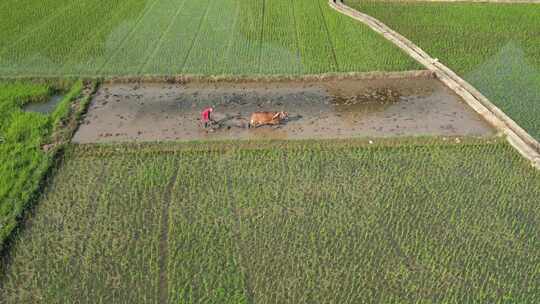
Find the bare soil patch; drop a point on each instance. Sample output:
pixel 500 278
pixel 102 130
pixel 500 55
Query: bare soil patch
pixel 341 108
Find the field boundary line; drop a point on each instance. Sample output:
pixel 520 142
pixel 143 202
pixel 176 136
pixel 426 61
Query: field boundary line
pixel 128 35
pixel 239 248
pixel 186 78
pixel 522 141
pixel 196 37
pixel 144 148
pixel 161 38
pixel 93 201
pixel 233 31
pixel 183 78
pixel 328 38
pixel 261 43
pixel 296 40
pixel 163 259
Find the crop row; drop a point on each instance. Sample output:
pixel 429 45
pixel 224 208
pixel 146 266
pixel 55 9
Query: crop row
pixel 174 37
pixel 437 223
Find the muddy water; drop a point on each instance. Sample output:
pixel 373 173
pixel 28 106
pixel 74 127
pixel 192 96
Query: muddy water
pixel 330 109
pixel 44 107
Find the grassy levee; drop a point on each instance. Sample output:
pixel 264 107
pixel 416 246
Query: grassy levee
pixel 495 47
pixel 283 222
pixel 23 163
pixel 158 37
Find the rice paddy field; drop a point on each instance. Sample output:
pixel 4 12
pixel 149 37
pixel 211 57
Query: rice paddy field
pixel 495 47
pixel 135 37
pixel 447 219
pixel 295 222
pixel 23 163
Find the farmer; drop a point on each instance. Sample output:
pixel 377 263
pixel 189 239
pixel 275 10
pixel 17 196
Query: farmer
pixel 206 118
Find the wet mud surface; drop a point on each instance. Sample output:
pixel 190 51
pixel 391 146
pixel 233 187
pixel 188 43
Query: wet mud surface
pixel 317 110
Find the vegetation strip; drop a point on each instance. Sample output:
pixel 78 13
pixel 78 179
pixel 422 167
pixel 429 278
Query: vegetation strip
pixel 92 211
pixel 108 150
pixel 296 40
pixel 261 40
pixel 332 47
pixel 233 30
pixel 519 138
pixel 164 242
pixel 238 242
pixel 185 78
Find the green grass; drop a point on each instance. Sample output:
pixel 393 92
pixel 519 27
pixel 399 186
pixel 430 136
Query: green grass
pixel 285 222
pixel 164 37
pixel 22 161
pixel 495 47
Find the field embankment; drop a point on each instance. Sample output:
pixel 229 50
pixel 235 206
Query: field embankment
pixel 494 47
pixel 298 222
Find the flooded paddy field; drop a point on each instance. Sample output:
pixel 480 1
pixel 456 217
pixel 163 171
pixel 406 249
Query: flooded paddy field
pixel 317 110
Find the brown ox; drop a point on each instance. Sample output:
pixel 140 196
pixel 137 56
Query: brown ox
pixel 267 118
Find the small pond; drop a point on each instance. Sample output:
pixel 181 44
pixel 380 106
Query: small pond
pixel 46 107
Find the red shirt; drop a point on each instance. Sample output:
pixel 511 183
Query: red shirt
pixel 205 114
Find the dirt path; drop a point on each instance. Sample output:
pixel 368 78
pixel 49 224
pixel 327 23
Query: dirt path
pixel 318 109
